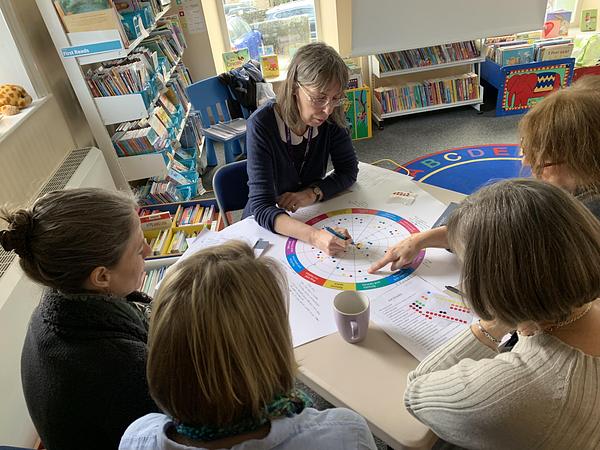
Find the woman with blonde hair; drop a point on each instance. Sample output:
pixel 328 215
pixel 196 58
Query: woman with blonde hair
pixel 290 142
pixel 530 255
pixel 560 140
pixel 221 364
pixel 84 357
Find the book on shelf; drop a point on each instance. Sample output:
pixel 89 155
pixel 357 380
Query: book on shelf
pixel 415 95
pixel 155 220
pixel 427 56
pixel 563 19
pixel 269 65
pixel 151 280
pixel 236 58
pixel 124 6
pixel 557 51
pixel 530 36
pixel 589 18
pixel 551 29
pixel 522 51
pixel 511 55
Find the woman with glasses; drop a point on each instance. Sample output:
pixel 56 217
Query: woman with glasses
pixel 560 140
pixel 290 142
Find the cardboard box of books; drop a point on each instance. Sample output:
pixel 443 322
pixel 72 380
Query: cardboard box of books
pixel 92 15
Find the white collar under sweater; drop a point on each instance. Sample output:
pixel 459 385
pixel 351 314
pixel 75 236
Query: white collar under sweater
pixel 295 138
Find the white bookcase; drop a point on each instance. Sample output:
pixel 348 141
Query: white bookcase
pixel 381 78
pixel 103 111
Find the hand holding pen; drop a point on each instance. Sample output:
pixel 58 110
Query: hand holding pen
pixel 331 240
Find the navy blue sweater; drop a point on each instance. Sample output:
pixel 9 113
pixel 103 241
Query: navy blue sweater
pixel 272 170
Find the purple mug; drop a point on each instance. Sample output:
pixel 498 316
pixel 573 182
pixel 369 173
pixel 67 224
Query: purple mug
pixel 351 311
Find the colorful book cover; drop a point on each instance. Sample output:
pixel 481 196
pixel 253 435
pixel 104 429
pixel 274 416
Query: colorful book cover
pixel 236 58
pixel 269 65
pixel 510 56
pixel 589 19
pixel 551 29
pixel 555 52
pixel 564 18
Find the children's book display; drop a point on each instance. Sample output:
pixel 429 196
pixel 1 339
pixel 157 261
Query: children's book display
pixel 424 79
pixel 167 228
pixel 154 75
pixel 520 86
pixel 427 56
pixel 182 181
pixel 426 93
pixel 512 50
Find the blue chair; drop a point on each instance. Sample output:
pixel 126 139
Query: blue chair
pixel 230 184
pixel 204 96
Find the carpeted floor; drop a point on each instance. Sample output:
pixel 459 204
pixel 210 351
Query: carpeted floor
pixel 408 137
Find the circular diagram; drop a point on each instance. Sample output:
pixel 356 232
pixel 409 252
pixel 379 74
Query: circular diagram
pixel 372 231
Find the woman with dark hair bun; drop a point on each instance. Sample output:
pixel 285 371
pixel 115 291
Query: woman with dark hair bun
pixel 84 357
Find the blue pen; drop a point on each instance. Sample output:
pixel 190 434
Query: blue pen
pixel 337 234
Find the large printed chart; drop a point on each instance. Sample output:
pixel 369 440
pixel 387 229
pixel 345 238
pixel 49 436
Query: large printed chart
pixel 409 304
pixel 372 231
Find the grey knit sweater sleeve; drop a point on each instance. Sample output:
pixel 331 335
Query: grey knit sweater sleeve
pixel 542 395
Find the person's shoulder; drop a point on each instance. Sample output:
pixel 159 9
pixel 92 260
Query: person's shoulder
pixel 591 201
pixel 145 432
pixel 331 429
pixel 333 418
pixel 265 114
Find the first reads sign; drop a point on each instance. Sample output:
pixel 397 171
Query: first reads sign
pixel 90 49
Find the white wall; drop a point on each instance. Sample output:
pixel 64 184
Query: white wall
pixel 388 25
pixel 12 70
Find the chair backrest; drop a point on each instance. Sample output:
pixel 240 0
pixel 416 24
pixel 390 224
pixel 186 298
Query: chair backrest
pixel 205 95
pixel 230 184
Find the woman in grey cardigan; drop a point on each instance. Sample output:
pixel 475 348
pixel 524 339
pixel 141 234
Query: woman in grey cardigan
pixel 530 257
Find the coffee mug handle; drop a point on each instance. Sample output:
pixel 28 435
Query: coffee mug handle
pixel 354 329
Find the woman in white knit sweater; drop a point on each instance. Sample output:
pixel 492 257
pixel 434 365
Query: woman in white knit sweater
pixel 530 259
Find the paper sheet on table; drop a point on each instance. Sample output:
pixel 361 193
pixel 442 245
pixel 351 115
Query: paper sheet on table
pixel 311 311
pixel 419 317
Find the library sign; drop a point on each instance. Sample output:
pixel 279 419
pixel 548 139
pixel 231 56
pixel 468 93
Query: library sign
pixel 90 49
pixel 466 169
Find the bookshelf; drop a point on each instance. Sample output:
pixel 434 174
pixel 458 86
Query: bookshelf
pixel 426 79
pixel 105 113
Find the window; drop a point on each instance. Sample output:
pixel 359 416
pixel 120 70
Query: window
pixel 265 26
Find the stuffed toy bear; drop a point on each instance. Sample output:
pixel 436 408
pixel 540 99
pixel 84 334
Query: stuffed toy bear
pixel 13 98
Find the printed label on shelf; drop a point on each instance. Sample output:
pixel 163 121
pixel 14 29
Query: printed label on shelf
pixel 90 49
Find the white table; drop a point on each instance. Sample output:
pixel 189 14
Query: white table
pixel 369 377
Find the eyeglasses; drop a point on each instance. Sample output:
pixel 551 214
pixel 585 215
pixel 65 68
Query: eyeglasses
pixel 323 102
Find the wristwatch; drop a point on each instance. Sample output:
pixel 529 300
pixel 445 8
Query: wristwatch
pixel 318 193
